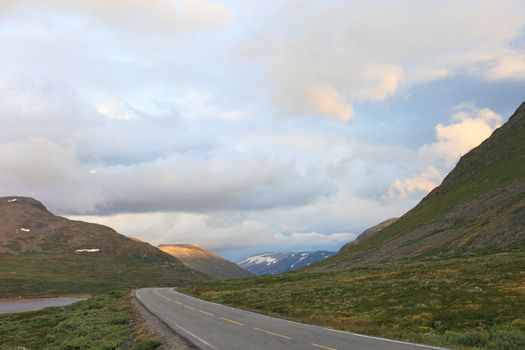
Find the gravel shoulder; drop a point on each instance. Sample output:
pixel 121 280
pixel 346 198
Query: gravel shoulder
pixel 157 329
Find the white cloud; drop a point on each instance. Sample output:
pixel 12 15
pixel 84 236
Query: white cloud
pixel 40 168
pixel 384 82
pixel 43 169
pixel 56 148
pixel 117 111
pixel 467 129
pixel 34 107
pixel 163 15
pixel 194 104
pixel 423 182
pixel 200 183
pixel 246 232
pixel 510 66
pixel 370 51
pixel 325 100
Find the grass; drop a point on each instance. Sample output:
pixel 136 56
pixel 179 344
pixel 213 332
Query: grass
pixel 464 303
pixel 102 322
pixel 105 321
pixel 37 275
pixel 146 344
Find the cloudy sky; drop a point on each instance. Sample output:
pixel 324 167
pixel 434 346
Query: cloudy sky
pixel 249 126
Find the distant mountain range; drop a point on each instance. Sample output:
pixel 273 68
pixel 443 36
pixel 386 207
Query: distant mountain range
pixel 272 263
pixel 200 259
pixel 41 253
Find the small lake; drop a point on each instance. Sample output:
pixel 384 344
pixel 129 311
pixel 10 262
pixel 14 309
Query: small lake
pixel 12 306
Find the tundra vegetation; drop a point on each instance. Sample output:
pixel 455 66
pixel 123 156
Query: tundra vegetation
pixel 105 321
pixel 463 302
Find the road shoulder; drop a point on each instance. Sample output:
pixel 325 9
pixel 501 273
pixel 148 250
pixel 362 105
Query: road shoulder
pixel 158 329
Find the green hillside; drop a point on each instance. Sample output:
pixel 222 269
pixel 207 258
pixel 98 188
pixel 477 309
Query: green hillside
pixel 43 254
pixel 479 208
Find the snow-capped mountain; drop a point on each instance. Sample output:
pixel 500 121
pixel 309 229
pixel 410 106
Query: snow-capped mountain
pixel 272 263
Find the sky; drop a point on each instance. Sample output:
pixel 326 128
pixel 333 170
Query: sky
pixel 249 126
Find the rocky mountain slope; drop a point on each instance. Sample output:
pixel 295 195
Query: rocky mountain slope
pixel 46 254
pixel 479 208
pixel 272 263
pixel 368 233
pixel 200 259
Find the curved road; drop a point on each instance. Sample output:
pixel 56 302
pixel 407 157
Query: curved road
pixel 212 326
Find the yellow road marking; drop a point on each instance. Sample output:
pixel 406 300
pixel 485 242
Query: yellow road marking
pixel 189 307
pixel 165 297
pixel 272 333
pixel 206 313
pixel 232 321
pixel 173 300
pixel 323 347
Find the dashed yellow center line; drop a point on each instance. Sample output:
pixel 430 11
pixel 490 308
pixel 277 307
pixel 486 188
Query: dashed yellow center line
pixel 232 321
pixel 272 333
pixel 323 347
pixel 206 313
pixel 241 324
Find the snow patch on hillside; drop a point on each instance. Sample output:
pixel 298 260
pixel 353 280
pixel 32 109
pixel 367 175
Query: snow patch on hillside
pixel 92 250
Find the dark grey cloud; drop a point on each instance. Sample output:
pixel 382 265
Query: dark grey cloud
pixel 192 183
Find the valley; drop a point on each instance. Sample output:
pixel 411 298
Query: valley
pixel 450 272
pixel 262 175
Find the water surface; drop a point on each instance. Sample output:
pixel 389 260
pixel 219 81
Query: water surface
pixel 12 306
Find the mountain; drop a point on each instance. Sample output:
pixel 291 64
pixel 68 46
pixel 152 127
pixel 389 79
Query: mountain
pixel 200 259
pixel 479 208
pixel 41 253
pixel 370 232
pixel 272 263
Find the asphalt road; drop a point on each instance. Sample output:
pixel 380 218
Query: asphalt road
pixel 212 326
